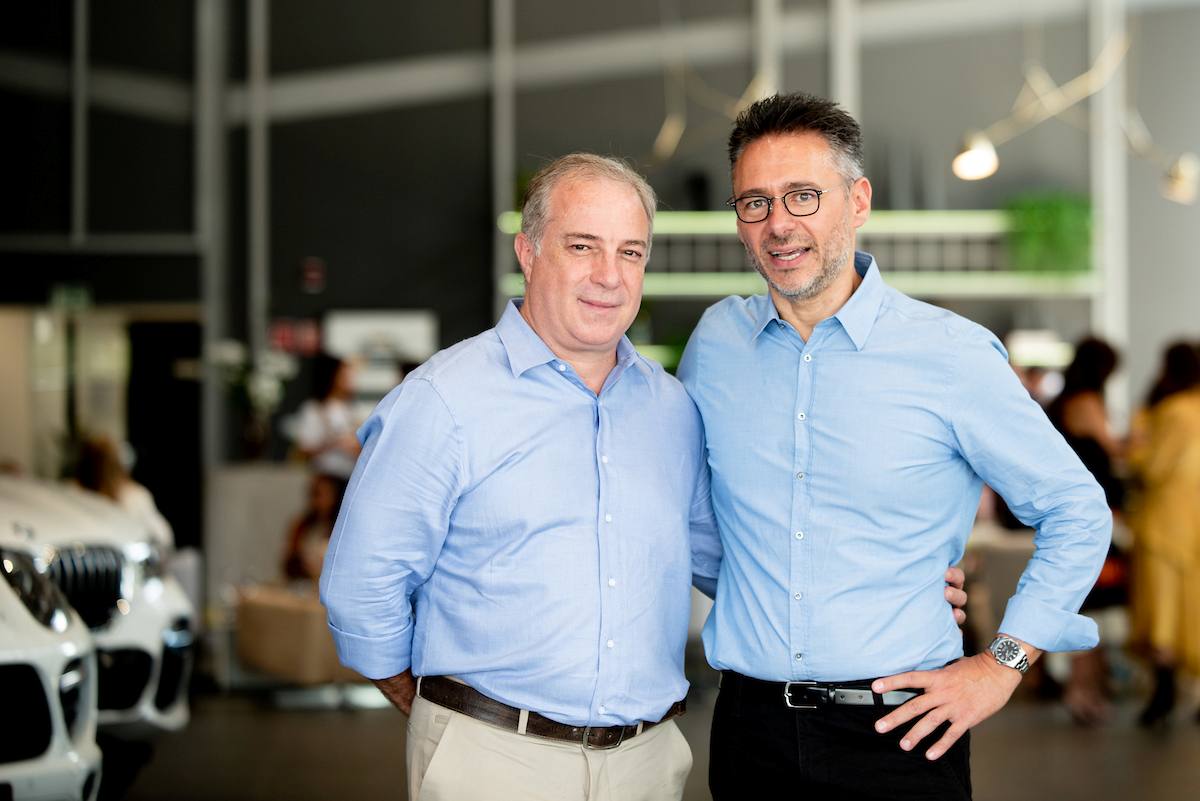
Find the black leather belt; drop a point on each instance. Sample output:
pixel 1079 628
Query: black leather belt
pixel 811 694
pixel 472 703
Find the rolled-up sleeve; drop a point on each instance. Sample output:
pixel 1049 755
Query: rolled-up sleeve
pixel 391 527
pixel 1009 442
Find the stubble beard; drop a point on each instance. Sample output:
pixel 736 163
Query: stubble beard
pixel 833 259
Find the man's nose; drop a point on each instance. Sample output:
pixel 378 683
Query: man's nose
pixel 606 272
pixel 780 221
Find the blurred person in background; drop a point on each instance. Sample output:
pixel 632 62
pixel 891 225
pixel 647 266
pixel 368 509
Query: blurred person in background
pixel 1166 554
pixel 309 534
pixel 102 469
pixel 1080 414
pixel 324 427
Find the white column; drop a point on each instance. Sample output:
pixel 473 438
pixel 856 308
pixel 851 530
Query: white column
pixel 504 141
pixel 258 129
pixel 1110 207
pixel 209 208
pixel 768 46
pixel 845 55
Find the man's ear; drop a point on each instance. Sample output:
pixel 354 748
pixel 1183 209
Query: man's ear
pixel 525 253
pixel 860 201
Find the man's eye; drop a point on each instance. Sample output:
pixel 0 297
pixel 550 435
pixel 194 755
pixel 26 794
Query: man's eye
pixel 753 203
pixel 580 248
pixel 633 254
pixel 805 196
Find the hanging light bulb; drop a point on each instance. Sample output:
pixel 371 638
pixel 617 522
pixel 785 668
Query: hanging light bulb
pixel 1179 183
pixel 977 159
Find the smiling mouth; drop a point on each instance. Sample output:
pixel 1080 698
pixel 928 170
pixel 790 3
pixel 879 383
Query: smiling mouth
pixel 789 255
pixel 596 304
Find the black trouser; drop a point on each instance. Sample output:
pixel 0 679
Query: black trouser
pixel 761 746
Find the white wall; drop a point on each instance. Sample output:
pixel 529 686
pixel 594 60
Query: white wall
pixel 1164 286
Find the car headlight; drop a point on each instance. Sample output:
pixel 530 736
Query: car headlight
pixel 39 594
pixel 149 558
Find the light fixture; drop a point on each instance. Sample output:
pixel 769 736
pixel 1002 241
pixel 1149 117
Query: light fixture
pixel 1039 100
pixel 1179 184
pixel 977 159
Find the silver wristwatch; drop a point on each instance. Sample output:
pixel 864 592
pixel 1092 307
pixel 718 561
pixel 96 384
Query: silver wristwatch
pixel 1009 653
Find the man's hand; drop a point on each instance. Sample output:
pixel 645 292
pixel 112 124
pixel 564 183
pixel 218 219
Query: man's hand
pixel 964 693
pixel 400 690
pixel 955 579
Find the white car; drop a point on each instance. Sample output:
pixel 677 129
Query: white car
pixel 47 684
pixel 113 572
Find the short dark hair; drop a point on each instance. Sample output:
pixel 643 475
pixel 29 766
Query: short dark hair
pixel 801 113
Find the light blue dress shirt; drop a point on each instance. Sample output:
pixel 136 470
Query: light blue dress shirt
pixel 846 473
pixel 507 526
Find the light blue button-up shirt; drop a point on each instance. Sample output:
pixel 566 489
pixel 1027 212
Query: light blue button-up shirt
pixel 846 473
pixel 507 526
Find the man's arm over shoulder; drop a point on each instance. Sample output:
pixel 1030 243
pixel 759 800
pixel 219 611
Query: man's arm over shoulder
pixel 391 528
pixel 705 540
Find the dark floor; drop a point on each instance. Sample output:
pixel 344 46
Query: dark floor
pixel 241 747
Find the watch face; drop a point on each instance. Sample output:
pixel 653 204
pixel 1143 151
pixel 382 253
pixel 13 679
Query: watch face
pixel 1007 651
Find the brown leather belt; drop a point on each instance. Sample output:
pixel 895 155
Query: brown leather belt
pixel 472 703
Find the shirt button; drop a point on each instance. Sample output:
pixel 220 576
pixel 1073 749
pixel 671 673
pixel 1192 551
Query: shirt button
pixel 799 476
pixel 799 535
pixel 798 596
pixel 604 460
pixel 608 518
pixel 808 357
pixel 611 644
pixel 601 709
pixel 562 368
pixel 801 416
pixel 612 582
pixel 799 657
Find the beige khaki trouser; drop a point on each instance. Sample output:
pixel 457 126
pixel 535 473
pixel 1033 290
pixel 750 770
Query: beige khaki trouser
pixel 452 757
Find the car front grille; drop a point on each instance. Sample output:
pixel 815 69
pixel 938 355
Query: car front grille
pixel 90 577
pixel 176 664
pixel 71 686
pixel 122 677
pixel 27 727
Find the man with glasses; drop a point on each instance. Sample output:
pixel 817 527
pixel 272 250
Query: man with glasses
pixel 849 430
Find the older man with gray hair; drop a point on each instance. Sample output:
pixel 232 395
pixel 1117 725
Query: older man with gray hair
pixel 518 532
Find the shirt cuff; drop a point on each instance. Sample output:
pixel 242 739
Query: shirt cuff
pixel 375 657
pixel 1048 627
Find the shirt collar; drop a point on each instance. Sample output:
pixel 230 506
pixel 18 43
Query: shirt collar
pixel 857 314
pixel 525 349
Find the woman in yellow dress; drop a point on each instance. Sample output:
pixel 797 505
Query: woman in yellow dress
pixel 1166 556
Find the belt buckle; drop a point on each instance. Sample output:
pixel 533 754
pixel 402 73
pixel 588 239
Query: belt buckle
pixel 587 739
pixel 787 694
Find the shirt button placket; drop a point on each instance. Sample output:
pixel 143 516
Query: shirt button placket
pixel 799 564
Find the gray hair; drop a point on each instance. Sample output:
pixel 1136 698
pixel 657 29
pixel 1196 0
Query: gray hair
pixel 535 210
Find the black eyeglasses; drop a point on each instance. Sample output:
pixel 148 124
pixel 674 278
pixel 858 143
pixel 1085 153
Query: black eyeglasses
pixel 756 208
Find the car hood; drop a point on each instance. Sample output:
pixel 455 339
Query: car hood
pixel 43 513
